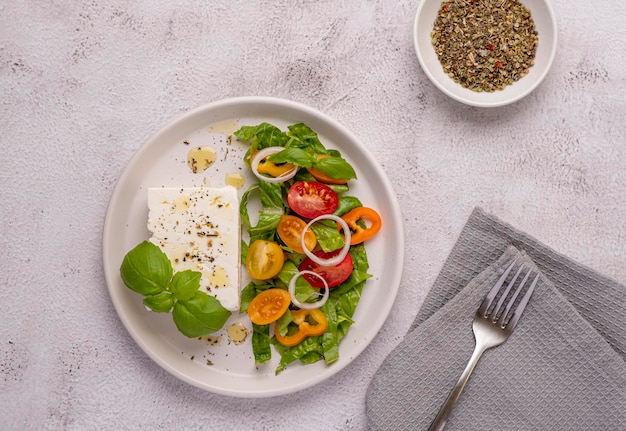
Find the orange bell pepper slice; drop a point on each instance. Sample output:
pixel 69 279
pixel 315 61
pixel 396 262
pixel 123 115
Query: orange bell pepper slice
pixel 305 329
pixel 360 233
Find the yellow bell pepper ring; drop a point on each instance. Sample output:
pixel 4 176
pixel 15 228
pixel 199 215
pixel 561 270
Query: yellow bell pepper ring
pixel 276 170
pixel 306 328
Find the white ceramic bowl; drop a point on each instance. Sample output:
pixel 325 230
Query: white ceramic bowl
pixel 545 24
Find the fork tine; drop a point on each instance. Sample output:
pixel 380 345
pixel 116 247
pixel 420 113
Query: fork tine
pixel 496 309
pixel 522 305
pixel 484 307
pixel 505 313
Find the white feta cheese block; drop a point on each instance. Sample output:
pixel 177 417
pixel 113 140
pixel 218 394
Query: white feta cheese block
pixel 198 229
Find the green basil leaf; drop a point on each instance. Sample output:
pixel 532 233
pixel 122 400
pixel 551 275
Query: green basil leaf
pixel 305 134
pixel 346 204
pixel 185 284
pixel 200 315
pixel 245 133
pixel 243 206
pixel 272 208
pixel 264 135
pixel 335 167
pixel 304 175
pixel 271 196
pixel 146 269
pixel 266 228
pixel 161 302
pixel 270 136
pixel 293 155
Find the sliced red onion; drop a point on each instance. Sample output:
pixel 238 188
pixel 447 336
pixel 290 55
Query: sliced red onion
pixel 338 258
pixel 307 305
pixel 266 152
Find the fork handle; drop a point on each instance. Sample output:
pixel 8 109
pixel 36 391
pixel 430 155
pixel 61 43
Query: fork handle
pixel 444 412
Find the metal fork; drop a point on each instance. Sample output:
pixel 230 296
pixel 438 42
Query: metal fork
pixel 492 326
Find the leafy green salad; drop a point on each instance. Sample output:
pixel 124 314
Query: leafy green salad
pixel 312 186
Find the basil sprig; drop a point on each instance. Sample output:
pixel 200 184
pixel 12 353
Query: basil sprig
pixel 302 148
pixel 148 271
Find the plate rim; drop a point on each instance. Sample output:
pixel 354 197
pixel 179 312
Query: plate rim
pixel 397 228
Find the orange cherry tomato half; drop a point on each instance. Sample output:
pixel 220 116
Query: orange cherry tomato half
pixel 264 259
pixel 370 217
pixel 290 232
pixel 322 177
pixel 268 306
pixel 310 199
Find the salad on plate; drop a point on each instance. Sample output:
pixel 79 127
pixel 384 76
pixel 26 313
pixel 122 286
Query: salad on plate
pixel 303 246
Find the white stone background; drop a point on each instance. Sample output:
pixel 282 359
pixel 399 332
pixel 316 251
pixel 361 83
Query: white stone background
pixel 83 85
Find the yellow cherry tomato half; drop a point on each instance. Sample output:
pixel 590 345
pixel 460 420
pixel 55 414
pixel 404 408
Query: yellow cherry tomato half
pixel 268 306
pixel 264 259
pixel 290 232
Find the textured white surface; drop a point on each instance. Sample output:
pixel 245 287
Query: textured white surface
pixel 85 83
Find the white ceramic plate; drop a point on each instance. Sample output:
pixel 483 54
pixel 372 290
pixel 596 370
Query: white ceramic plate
pixel 217 364
pixel 545 24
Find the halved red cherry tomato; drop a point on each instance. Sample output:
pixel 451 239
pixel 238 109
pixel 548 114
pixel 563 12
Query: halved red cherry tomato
pixel 290 232
pixel 333 275
pixel 268 306
pixel 361 234
pixel 311 199
pixel 322 177
pixel 264 260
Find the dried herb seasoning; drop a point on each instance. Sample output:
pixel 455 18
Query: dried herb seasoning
pixel 484 45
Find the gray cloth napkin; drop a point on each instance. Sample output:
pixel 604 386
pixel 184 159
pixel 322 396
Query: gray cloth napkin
pixel 562 369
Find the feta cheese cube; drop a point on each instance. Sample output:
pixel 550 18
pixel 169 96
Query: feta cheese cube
pixel 198 229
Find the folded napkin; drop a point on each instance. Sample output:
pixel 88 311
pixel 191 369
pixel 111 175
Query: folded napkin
pixel 563 368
